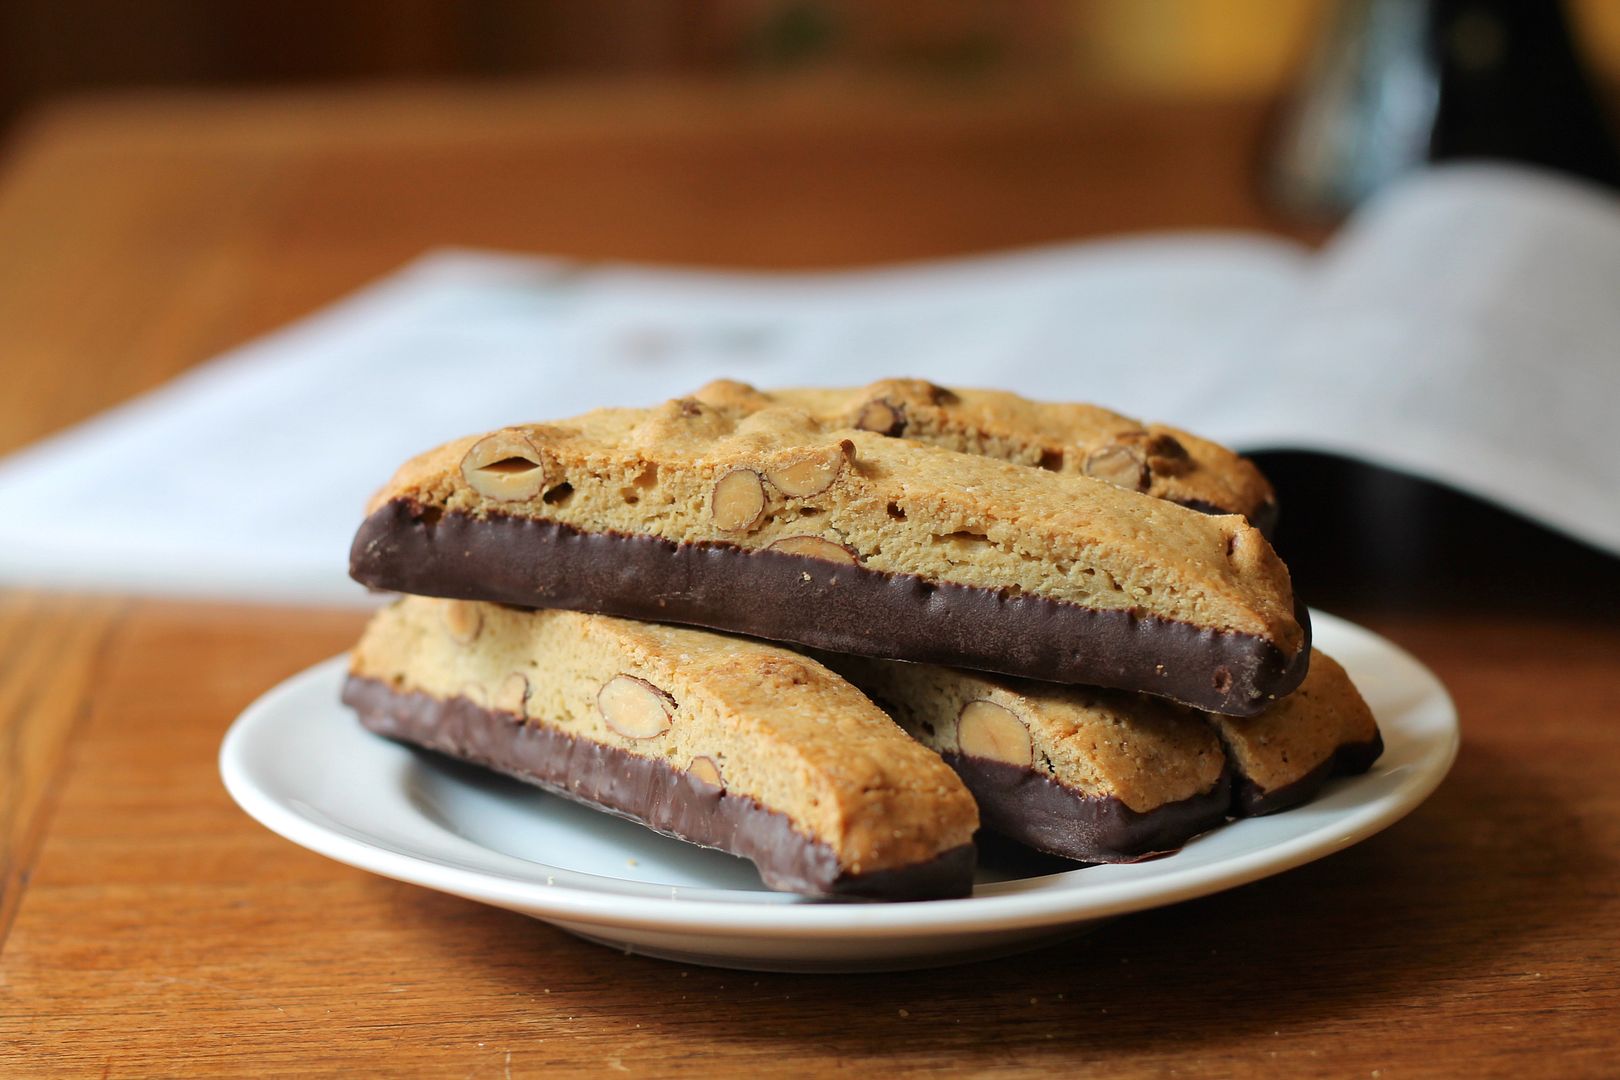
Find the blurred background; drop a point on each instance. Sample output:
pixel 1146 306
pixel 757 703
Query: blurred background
pixel 1363 87
pixel 50 48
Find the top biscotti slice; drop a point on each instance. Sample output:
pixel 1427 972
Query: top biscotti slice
pixel 1162 461
pixel 734 744
pixel 770 525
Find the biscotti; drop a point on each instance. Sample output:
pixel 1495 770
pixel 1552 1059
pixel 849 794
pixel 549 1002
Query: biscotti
pixel 1098 776
pixel 1103 776
pixel 729 743
pixel 1283 756
pixel 771 525
pixel 1162 461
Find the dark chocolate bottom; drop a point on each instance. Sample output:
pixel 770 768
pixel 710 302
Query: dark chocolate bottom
pixel 1031 808
pixel 648 792
pixel 1350 759
pixel 826 605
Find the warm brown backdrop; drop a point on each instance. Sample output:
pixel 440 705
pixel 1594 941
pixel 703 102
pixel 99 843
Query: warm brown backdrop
pixel 1178 47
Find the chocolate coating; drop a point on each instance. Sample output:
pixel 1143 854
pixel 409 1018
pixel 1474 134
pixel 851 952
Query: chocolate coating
pixel 771 594
pixel 648 792
pixel 1348 760
pixel 1028 806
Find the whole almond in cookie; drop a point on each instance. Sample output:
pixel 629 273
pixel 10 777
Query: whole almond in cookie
pixel 738 500
pixel 993 732
pixel 814 547
pixel 463 621
pixel 635 708
pixel 705 770
pixel 1122 466
pixel 504 466
pixel 811 472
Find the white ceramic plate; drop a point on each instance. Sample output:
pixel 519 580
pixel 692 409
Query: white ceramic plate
pixel 300 763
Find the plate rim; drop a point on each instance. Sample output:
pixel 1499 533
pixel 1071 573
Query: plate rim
pixel 781 917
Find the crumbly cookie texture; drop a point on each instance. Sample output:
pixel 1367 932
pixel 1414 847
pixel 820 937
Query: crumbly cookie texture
pixel 1088 440
pixel 1102 744
pixel 749 718
pixel 1301 733
pixel 777 479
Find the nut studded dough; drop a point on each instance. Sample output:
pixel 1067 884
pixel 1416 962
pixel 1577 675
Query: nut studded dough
pixel 1162 461
pixel 1108 745
pixel 1093 775
pixel 690 473
pixel 1101 743
pixel 753 719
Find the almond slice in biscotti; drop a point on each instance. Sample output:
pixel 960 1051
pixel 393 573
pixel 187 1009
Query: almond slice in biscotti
pixel 771 524
pixel 1062 437
pixel 729 743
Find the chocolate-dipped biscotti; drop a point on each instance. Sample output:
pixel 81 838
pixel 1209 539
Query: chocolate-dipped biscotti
pixel 1283 756
pixel 1162 461
pixel 1104 776
pixel 1099 776
pixel 732 744
pixel 768 524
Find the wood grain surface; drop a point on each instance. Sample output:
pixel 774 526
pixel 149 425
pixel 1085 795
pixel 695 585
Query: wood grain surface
pixel 148 927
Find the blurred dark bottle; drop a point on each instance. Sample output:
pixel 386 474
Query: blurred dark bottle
pixel 1395 83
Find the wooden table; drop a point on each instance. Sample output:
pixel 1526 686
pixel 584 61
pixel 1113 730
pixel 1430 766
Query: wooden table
pixel 149 927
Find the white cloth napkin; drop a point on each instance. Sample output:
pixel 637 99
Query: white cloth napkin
pixel 1465 328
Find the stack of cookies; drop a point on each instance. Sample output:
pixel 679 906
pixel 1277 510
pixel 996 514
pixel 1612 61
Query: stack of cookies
pixel 922 612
